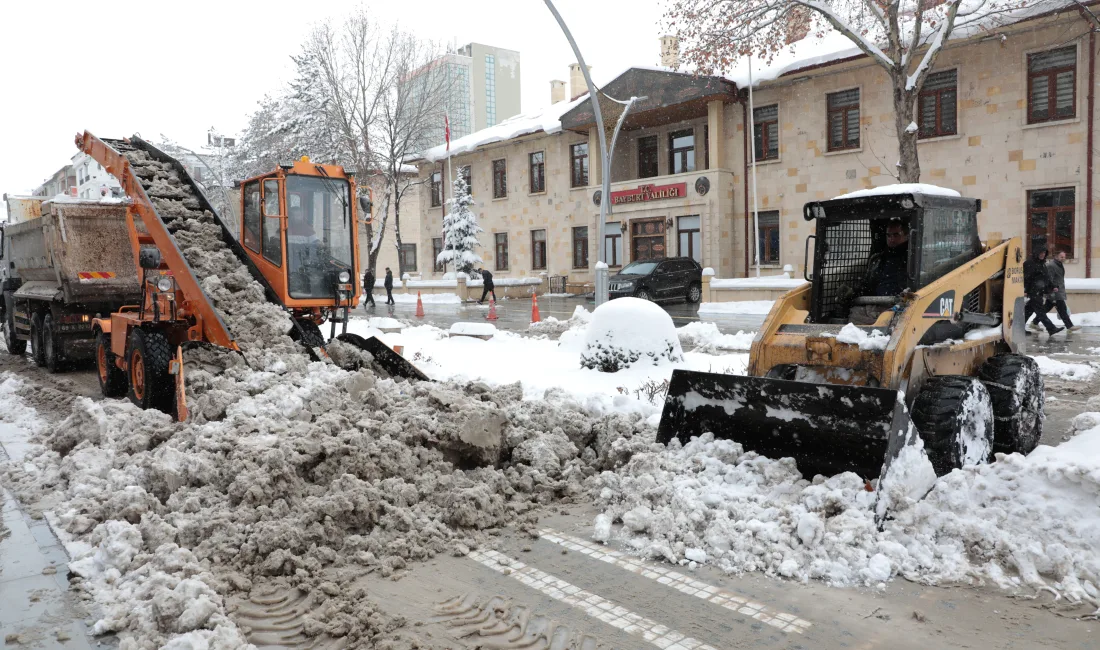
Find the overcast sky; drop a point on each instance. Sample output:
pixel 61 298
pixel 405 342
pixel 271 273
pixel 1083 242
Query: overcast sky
pixel 178 68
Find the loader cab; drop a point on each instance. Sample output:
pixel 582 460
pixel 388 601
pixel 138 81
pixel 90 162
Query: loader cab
pixel 851 234
pixel 299 225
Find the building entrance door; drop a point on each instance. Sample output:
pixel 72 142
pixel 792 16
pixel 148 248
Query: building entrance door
pixel 647 239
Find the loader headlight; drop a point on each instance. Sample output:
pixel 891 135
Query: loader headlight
pixel 344 276
pixel 164 284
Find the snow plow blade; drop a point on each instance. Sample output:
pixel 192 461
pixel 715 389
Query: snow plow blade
pixel 391 362
pixel 826 428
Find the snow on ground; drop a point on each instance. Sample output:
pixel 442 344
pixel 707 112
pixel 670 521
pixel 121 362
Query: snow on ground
pixel 784 281
pixel 1022 523
pixel 427 298
pixel 747 307
pixel 705 337
pixel 1084 319
pixel 1069 371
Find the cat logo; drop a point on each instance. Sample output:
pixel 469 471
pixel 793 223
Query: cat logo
pixel 942 307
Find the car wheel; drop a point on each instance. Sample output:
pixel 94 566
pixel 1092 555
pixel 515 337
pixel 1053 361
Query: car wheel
pixel 695 292
pixel 643 294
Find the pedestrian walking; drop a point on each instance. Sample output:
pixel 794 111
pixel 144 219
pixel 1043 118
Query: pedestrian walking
pixel 1057 271
pixel 368 288
pixel 388 283
pixel 487 278
pixel 1037 286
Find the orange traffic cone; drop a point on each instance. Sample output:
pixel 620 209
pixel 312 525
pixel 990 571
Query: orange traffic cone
pixel 492 310
pixel 419 306
pixel 534 308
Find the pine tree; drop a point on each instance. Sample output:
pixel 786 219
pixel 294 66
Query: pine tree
pixel 460 230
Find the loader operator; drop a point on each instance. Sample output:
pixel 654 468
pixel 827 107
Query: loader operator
pixel 301 239
pixel 885 275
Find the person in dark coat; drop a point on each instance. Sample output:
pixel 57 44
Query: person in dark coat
pixel 1037 286
pixel 488 279
pixel 388 283
pixel 1057 272
pixel 368 288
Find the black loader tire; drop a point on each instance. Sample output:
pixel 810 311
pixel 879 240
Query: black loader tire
pixel 151 387
pixel 51 345
pixel 1016 387
pixel 37 353
pixel 954 435
pixel 14 345
pixel 312 334
pixel 694 293
pixel 112 379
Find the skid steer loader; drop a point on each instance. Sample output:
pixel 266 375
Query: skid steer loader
pixel 943 359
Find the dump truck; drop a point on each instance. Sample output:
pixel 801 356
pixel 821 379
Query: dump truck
pixel 63 263
pixel 942 359
pixel 299 242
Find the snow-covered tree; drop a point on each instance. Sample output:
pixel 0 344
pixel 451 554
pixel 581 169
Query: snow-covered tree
pixel 460 230
pixel 904 37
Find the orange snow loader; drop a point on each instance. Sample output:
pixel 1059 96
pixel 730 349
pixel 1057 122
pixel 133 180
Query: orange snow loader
pixel 847 370
pixel 299 226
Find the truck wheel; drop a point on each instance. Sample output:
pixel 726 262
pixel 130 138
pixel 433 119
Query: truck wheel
pixel 51 347
pixel 309 335
pixel 954 416
pixel 1016 388
pixel 112 380
pixel 15 345
pixel 151 387
pixel 37 353
pixel 695 292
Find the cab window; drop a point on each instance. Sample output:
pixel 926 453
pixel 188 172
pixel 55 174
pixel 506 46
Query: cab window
pixel 251 195
pixel 273 241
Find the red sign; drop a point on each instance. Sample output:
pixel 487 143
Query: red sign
pixel 649 193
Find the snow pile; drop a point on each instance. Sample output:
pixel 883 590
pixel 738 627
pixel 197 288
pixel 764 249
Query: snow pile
pixel 1068 371
pixel 426 298
pixel 901 188
pixel 853 335
pixel 784 281
pixel 627 330
pixel 473 329
pixel 551 326
pixel 736 307
pixel 1019 522
pixel 705 337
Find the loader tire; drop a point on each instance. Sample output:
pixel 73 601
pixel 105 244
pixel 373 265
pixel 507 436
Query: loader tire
pixel 51 346
pixel 14 344
pixel 954 416
pixel 112 380
pixel 1016 388
pixel 309 334
pixel 37 351
pixel 151 387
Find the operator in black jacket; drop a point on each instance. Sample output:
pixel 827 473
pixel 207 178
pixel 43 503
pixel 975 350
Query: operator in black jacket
pixel 1037 286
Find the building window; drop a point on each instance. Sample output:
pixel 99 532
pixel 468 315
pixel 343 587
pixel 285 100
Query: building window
pixel 437 248
pixel 1050 219
pixel 464 172
pixel 768 224
pixel 844 120
pixel 538 249
pixel 437 189
pixel 647 157
pixel 647 239
pixel 936 105
pixel 500 179
pixel 691 243
pixel 765 124
pixel 613 244
pixel 681 151
pixel 500 241
pixel 1052 85
pixel 578 176
pixel 490 90
pixel 407 258
pixel 538 172
pixel 580 247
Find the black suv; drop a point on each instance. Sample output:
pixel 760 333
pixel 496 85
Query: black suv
pixel 667 279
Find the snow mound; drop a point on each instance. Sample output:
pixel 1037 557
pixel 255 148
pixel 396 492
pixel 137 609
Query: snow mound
pixel 736 307
pixel 1024 523
pixel 705 337
pixel 901 188
pixel 627 330
pixel 853 335
pixel 1068 371
pixel 473 329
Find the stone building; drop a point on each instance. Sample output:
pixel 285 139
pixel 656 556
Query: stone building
pixel 1006 116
